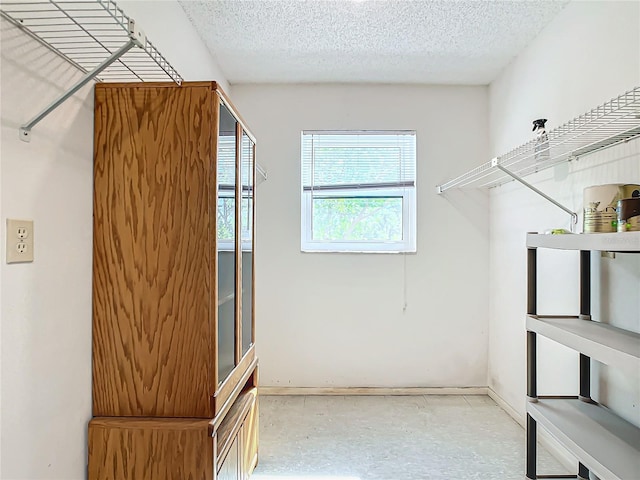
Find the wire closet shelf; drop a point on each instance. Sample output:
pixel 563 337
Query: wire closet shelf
pixel 95 36
pixel 85 33
pixel 616 121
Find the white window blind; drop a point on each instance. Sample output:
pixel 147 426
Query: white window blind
pixel 227 163
pixel 338 160
pixel 358 191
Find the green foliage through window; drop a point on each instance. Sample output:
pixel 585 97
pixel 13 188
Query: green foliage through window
pixel 357 219
pixel 226 218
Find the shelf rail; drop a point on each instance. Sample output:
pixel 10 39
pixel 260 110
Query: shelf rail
pixel 614 122
pixel 261 174
pixel 574 215
pixel 95 36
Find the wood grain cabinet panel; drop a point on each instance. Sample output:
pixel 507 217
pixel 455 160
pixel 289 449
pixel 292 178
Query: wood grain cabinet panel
pixel 152 253
pixel 148 449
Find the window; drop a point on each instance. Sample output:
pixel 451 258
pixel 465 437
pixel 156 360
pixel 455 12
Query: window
pixel 358 191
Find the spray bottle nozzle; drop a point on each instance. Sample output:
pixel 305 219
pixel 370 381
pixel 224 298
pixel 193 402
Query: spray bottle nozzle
pixel 539 123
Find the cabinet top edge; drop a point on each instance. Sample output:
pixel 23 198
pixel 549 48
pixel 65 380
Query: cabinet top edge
pixel 627 242
pixel 213 85
pixel 227 101
pixel 105 85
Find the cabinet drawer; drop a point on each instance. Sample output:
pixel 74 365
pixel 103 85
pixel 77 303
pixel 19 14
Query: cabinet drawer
pixel 237 438
pixel 149 449
pixel 249 435
pixel 230 468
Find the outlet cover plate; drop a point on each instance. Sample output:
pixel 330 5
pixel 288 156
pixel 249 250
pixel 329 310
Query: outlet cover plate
pixel 19 241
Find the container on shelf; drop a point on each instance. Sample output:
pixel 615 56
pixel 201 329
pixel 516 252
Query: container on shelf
pixel 629 214
pixel 600 203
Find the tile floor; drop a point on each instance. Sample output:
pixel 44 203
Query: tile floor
pixel 391 438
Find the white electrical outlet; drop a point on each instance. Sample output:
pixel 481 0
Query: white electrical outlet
pixel 19 241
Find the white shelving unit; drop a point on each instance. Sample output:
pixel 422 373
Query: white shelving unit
pixel 604 444
pixel 95 36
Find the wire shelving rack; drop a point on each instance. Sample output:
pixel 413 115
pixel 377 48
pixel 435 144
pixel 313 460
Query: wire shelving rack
pixel 96 36
pixel 616 121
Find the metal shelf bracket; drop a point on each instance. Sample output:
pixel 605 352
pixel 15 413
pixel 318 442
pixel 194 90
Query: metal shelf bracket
pixel 262 174
pixel 95 36
pixel 574 215
pixel 137 38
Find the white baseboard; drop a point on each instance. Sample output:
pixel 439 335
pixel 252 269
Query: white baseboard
pixel 544 438
pixel 506 407
pixel 372 391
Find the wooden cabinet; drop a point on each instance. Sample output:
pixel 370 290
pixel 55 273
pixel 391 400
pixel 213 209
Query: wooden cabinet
pixel 173 308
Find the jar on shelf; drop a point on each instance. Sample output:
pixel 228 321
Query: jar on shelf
pixel 629 214
pixel 600 214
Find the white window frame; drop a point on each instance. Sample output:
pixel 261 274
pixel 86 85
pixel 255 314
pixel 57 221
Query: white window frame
pixel 409 217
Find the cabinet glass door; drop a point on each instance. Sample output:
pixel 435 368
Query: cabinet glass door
pixel 226 242
pixel 246 226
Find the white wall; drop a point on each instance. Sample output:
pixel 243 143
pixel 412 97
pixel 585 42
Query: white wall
pixel 586 56
pixel 45 313
pixel 337 320
pixel 2 229
pixel 46 305
pixel 167 26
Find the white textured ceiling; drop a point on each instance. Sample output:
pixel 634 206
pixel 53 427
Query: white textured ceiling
pixel 381 41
